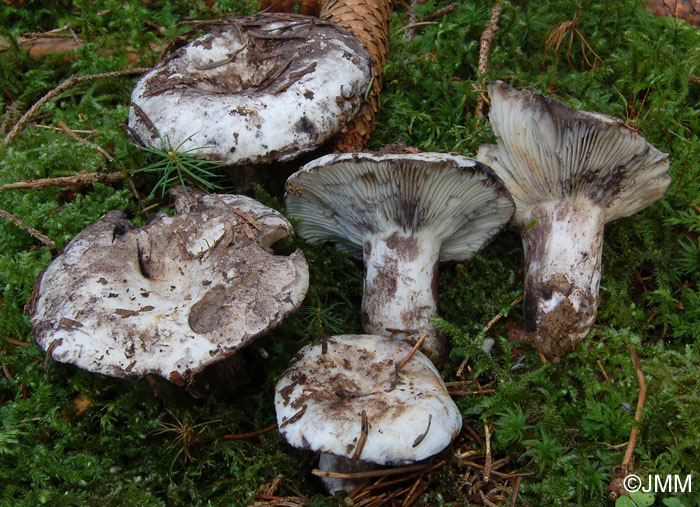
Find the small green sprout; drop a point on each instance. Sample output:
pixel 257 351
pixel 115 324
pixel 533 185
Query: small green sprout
pixel 320 320
pixel 178 166
pixel 533 223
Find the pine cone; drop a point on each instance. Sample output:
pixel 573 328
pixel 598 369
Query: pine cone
pixel 368 20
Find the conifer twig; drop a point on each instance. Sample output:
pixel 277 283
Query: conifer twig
pixel 440 12
pixel 640 405
pixel 74 181
pixel 516 489
pixel 617 486
pixel 31 230
pixel 242 436
pixel 65 128
pixel 487 462
pixel 485 48
pixel 327 474
pixel 412 352
pixel 410 30
pixel 73 80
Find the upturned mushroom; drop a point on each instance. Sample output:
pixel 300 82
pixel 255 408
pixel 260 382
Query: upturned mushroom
pixel 570 173
pixel 172 297
pixel 259 89
pixel 402 214
pixel 346 398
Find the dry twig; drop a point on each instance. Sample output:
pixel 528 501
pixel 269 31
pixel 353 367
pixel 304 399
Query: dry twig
pixel 486 501
pixel 487 465
pixel 413 351
pixel 616 487
pixel 65 128
pixel 440 12
pixel 7 373
pixel 31 230
pixel 640 405
pixel 73 80
pixel 242 436
pixel 516 489
pixel 370 473
pixel 73 182
pixel 485 48
pixel 409 28
pixel 15 341
pixel 500 475
pixel 557 34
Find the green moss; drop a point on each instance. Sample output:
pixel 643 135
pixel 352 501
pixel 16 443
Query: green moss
pixel 558 421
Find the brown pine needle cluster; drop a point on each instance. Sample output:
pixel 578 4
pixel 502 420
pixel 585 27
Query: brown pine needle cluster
pixel 559 33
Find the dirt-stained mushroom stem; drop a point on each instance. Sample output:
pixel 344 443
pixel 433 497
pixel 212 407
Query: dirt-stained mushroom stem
pixel 399 295
pixel 563 249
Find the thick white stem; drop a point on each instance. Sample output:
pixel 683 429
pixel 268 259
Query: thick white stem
pixel 400 293
pixel 332 463
pixel 563 246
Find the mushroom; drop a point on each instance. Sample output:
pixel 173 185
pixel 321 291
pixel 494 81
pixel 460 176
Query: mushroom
pixel 346 397
pixel 257 89
pixel 402 213
pixel 570 173
pixel 172 297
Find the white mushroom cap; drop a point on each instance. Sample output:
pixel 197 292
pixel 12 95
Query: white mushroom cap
pixel 172 297
pixel 263 88
pixel 548 152
pixel 320 401
pixel 350 197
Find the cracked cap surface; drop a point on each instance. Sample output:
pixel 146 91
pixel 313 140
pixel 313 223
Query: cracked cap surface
pixel 172 297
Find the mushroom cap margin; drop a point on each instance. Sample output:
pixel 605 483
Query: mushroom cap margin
pixel 546 151
pixel 349 197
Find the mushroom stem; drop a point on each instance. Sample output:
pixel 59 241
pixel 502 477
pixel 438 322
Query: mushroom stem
pixel 332 463
pixel 399 293
pixel 563 243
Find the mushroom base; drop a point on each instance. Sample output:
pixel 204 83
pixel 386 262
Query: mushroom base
pixel 563 246
pixel 399 296
pixel 333 463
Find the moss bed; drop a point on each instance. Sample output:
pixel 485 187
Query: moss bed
pixel 69 437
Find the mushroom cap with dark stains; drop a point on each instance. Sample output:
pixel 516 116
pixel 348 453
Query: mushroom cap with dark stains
pixel 172 297
pixel 548 152
pixel 344 396
pixel 350 197
pixel 259 89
